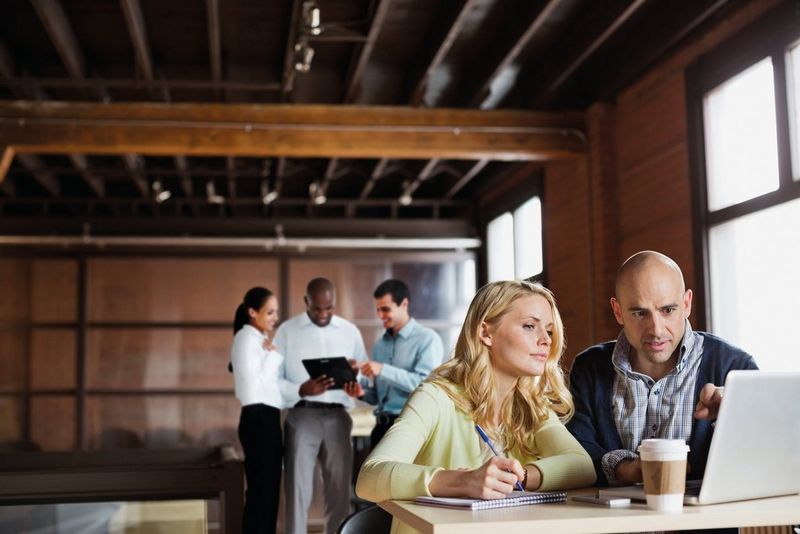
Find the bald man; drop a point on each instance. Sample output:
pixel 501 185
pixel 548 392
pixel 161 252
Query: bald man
pixel 657 380
pixel 317 426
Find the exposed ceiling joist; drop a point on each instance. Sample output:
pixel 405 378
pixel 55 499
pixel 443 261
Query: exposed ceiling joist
pixel 360 64
pixel 183 170
pixel 132 10
pixel 468 176
pixel 454 20
pixel 38 169
pixel 134 164
pixel 539 20
pixel 82 164
pixel 214 39
pixel 587 51
pixel 294 131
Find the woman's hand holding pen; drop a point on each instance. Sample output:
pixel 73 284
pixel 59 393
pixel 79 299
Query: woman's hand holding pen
pixel 493 480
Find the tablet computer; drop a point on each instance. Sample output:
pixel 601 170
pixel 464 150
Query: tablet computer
pixel 337 368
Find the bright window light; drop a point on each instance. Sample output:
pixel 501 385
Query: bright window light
pixel 793 94
pixel 500 248
pixel 755 284
pixel 528 239
pixel 741 137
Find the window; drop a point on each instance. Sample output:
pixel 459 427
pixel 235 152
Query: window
pixel 514 243
pixel 747 111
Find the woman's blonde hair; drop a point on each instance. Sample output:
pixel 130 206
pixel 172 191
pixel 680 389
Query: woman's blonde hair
pixel 469 381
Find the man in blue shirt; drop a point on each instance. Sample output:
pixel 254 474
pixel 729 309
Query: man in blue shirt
pixel 402 358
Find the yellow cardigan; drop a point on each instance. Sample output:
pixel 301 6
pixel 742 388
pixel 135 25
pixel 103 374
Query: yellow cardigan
pixel 432 434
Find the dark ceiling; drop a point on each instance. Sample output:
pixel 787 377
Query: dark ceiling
pixel 481 54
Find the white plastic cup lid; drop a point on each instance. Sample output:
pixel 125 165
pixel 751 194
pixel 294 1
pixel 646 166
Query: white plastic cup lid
pixel 664 445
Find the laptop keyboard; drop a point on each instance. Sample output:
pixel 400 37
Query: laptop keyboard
pixel 693 487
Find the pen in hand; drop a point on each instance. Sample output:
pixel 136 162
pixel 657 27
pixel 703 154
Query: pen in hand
pixel 488 442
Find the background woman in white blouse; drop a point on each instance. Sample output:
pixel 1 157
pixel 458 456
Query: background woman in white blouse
pixel 255 373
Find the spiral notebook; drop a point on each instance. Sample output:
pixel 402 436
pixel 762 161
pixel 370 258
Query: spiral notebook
pixel 516 498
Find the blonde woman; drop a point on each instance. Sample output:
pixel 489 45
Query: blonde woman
pixel 505 377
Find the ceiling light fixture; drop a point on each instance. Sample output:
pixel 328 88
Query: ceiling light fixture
pixel 268 196
pixel 317 193
pixel 159 193
pixel 408 188
pixel 303 55
pixel 312 20
pixel 211 194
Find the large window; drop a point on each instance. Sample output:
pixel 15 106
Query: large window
pixel 747 123
pixel 514 243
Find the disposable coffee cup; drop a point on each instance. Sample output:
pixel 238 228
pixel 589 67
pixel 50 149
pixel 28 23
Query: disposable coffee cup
pixel 664 473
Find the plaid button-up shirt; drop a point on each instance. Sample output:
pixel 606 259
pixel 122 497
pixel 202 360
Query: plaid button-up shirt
pixel 645 408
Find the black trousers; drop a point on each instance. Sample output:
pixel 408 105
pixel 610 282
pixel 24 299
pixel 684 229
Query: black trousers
pixel 383 422
pixel 262 440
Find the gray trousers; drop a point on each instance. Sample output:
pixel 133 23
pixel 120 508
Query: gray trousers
pixel 311 434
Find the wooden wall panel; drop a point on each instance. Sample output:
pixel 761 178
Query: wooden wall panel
pixel 53 422
pixel 354 282
pixel 158 358
pixel 52 359
pixel 123 421
pixel 54 290
pixel 13 353
pixel 15 289
pixel 10 419
pixel 167 290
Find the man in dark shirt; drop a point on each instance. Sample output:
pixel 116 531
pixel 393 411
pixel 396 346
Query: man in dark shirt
pixel 659 379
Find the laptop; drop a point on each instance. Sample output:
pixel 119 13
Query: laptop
pixel 755 450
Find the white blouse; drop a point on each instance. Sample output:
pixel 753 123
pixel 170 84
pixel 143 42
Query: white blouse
pixel 255 370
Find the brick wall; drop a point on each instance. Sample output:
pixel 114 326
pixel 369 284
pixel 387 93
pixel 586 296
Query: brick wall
pixel 631 192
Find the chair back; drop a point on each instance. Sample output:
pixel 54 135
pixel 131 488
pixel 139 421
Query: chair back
pixel 370 520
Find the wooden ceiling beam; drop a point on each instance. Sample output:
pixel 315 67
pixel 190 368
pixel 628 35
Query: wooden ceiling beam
pixel 82 164
pixel 38 169
pixel 287 83
pixel 214 39
pixel 134 19
pixel 292 131
pixel 468 176
pixel 134 164
pixel 183 170
pixel 55 21
pixel 356 73
pixel 454 21
pixel 513 53
pixel 552 88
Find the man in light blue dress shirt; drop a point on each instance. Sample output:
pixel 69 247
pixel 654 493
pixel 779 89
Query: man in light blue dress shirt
pixel 401 359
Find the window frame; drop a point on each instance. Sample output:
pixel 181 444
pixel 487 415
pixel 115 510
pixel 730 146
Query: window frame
pixel 516 191
pixel 769 36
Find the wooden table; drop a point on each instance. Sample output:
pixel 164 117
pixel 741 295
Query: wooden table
pixel 126 475
pixel 590 518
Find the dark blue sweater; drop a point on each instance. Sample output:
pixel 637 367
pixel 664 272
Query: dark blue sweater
pixel 592 382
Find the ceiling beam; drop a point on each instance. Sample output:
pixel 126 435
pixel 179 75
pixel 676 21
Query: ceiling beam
pixel 55 21
pixel 183 171
pixel 240 227
pixel 6 157
pixel 454 20
pixel 134 164
pixel 214 39
pixel 134 19
pixel 287 84
pixel 513 53
pixel 293 131
pixel 468 176
pixel 360 64
pixel 38 169
pixel 82 164
pixel 552 88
